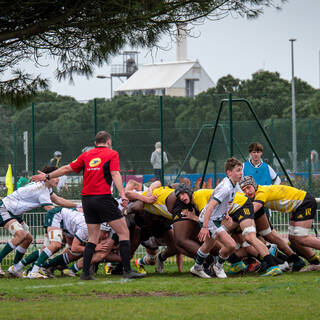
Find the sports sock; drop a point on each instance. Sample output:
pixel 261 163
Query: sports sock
pixel 233 258
pixel 281 255
pixel 6 250
pixel 209 260
pixel 74 268
pixel 44 255
pixel 125 254
pixel 201 257
pixel 87 257
pixel 56 261
pixel 33 256
pixel 19 254
pixel 221 260
pixel 269 260
pixel 293 258
pixel 161 258
pixel 277 260
pixel 142 261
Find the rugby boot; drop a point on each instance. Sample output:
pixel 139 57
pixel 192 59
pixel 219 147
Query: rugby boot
pixel 254 266
pixel 36 275
pixel 218 269
pixel 2 273
pixel 272 271
pixel 87 277
pixel 132 275
pixel 15 273
pixel 108 269
pixel 199 272
pixel 140 268
pixel 159 264
pixel 314 260
pixel 238 267
pixel 68 272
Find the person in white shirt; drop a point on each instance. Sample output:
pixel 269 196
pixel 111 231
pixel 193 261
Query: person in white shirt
pixel 12 208
pixel 156 160
pixel 210 220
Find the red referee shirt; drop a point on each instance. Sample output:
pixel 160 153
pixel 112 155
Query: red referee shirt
pixel 97 165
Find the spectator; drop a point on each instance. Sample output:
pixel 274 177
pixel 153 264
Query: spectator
pixel 262 173
pixel 156 160
pixel 55 161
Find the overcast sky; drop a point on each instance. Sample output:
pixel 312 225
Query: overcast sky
pixel 235 46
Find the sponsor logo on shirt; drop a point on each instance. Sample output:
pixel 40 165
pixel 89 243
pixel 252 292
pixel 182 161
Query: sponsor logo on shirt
pixel 94 162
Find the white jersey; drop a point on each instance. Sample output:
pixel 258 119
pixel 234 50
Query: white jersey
pixel 224 194
pixel 71 221
pixel 31 196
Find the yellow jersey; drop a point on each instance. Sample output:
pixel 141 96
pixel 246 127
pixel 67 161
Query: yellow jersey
pixel 159 207
pixel 238 202
pixel 201 197
pixel 280 197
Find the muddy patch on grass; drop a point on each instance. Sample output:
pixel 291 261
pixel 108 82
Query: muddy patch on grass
pixel 104 295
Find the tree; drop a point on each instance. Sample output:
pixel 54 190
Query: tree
pixel 82 34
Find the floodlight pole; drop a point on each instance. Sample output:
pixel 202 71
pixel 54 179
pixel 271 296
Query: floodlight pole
pixel 293 98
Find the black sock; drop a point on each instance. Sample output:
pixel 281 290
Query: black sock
pixel 277 260
pixel 281 255
pixel 251 259
pixel 209 260
pixel 125 254
pixel 87 257
pixel 293 258
pixel 269 260
pixel 234 258
pixel 161 258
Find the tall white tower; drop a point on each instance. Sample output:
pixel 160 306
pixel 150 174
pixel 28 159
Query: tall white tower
pixel 181 49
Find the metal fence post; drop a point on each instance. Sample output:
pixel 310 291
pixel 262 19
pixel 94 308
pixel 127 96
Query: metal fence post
pixel 95 116
pixel 161 138
pixel 33 142
pixel 309 158
pixel 15 170
pixel 230 123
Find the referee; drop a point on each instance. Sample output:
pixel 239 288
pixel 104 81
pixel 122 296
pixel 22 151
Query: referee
pixel 100 167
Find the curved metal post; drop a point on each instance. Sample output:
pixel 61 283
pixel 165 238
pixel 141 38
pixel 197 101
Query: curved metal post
pixel 211 143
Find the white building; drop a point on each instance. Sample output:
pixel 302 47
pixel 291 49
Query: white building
pixel 179 78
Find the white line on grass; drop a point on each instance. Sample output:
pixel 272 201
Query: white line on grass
pixel 81 283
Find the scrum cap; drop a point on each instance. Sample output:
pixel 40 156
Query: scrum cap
pixel 246 181
pixel 183 188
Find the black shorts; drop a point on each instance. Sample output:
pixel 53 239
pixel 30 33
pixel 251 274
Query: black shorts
pixel 260 213
pixel 159 228
pixel 100 208
pixel 245 212
pixel 152 225
pixel 306 210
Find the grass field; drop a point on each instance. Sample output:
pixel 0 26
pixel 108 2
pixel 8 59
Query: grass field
pixel 170 295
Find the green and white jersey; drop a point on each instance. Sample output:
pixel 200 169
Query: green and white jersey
pixel 31 196
pixel 70 220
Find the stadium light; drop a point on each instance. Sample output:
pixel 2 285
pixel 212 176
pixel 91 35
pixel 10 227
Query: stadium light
pixel 100 76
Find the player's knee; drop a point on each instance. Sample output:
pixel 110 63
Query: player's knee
pixel 29 238
pixel 267 233
pixel 55 246
pixel 180 242
pixel 231 246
